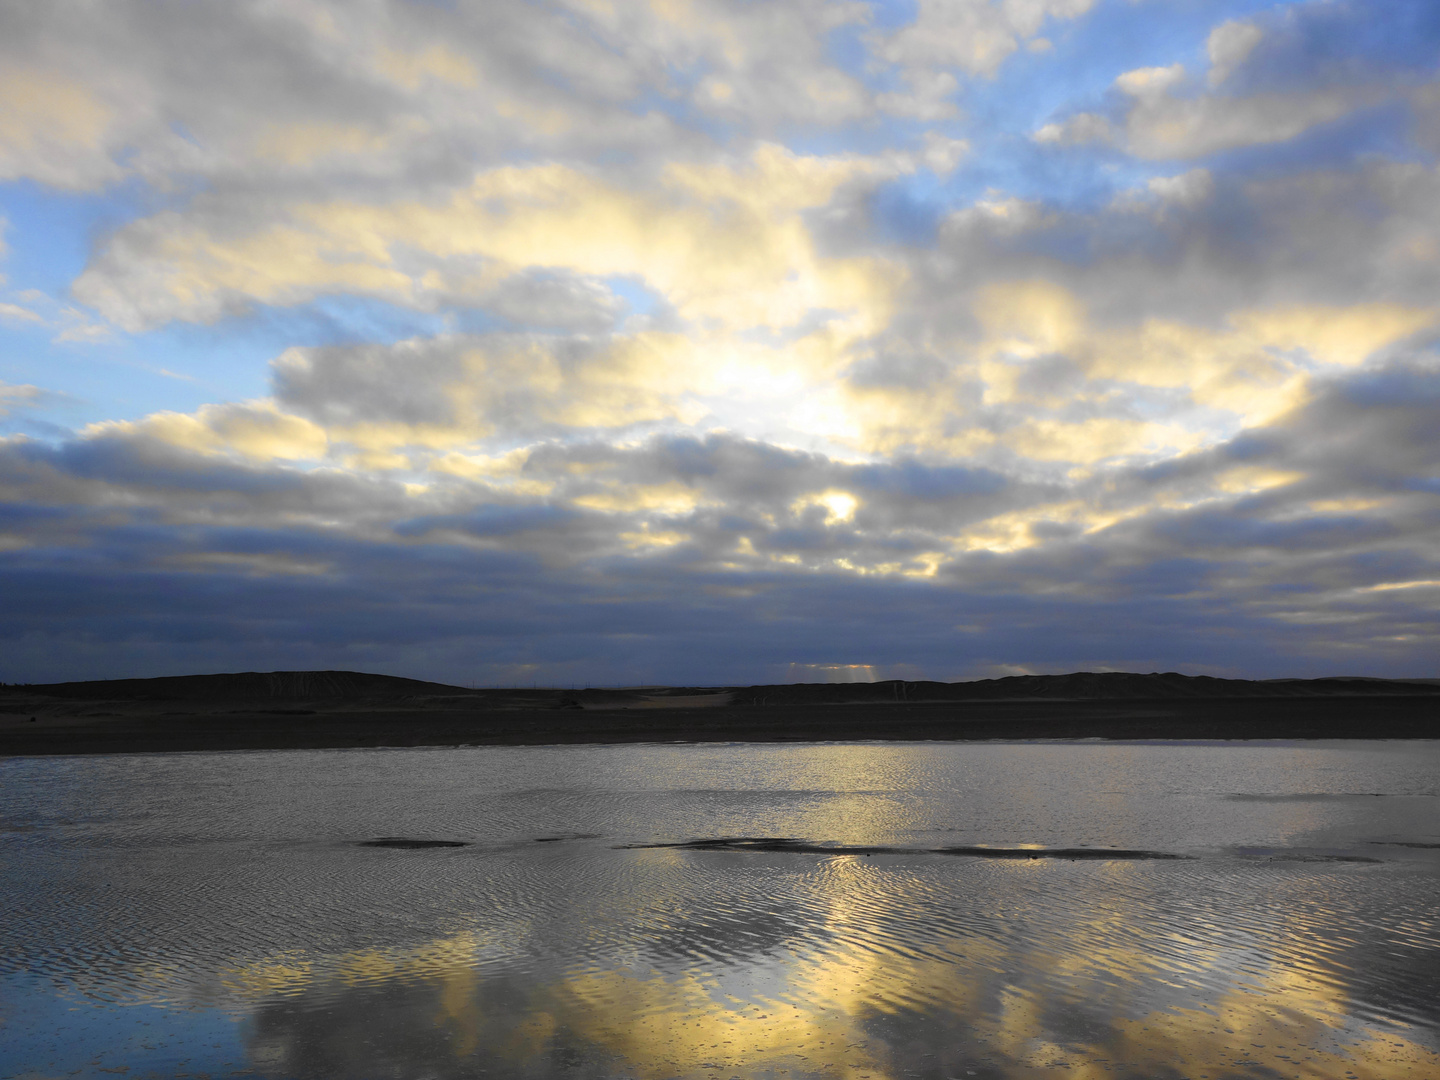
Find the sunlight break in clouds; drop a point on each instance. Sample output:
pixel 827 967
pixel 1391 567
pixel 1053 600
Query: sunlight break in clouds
pixel 717 342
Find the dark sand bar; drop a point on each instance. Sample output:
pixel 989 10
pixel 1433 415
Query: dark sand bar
pixel 294 710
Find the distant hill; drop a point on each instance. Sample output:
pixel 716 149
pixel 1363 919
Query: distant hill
pixel 1081 685
pixel 350 686
pixel 246 686
pixel 314 709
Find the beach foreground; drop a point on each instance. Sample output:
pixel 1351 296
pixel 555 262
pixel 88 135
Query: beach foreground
pixel 746 911
pixel 314 710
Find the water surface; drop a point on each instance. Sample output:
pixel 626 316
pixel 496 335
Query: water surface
pixel 865 910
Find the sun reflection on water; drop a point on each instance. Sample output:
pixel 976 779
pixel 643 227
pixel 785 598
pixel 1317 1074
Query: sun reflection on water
pixel 855 967
pixel 1298 936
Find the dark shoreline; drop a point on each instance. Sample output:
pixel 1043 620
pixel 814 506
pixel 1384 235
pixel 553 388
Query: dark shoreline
pixel 1230 718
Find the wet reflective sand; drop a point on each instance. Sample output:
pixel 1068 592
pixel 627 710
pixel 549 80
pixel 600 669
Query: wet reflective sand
pixel 985 910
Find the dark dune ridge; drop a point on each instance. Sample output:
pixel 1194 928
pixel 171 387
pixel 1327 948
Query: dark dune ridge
pixel 314 709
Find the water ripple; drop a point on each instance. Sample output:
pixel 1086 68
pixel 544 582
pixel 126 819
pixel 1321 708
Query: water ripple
pixel 447 915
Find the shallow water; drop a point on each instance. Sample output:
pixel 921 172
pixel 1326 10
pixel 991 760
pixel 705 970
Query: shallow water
pixel 867 910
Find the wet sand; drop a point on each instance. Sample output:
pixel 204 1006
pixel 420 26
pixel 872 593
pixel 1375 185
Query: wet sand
pixel 96 726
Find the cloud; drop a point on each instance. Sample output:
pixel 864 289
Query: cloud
pixel 555 301
pixel 722 242
pixel 1077 129
pixel 53 129
pixel 735 336
pixel 974 35
pixel 1228 46
pixel 18 314
pixel 1272 79
pixel 322 94
pixel 14 398
pixel 465 389
pixel 1287 526
pixel 1160 126
pixel 942 154
pixel 1188 189
pixel 253 430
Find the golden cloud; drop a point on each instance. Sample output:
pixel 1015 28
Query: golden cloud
pixel 256 430
pixel 725 244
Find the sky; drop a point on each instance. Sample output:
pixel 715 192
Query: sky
pixel 719 341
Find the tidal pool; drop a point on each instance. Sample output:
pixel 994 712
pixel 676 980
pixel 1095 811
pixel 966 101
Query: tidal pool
pixel 941 910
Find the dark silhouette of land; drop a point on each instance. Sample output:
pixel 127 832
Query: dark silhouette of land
pixel 298 709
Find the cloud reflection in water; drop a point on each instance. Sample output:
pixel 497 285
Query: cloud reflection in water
pixel 801 965
pixel 577 931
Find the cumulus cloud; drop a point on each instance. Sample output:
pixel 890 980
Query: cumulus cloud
pixel 55 129
pixel 974 35
pixel 1271 79
pixel 723 242
pixel 742 340
pixel 1161 121
pixel 1080 128
pixel 1321 517
pixel 310 95
pixel 1161 125
pixel 1228 46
